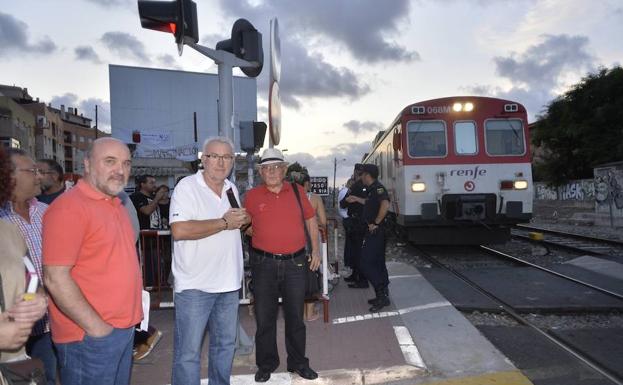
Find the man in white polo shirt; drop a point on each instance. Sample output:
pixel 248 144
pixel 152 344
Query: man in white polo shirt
pixel 207 266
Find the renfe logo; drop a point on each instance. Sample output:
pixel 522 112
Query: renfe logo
pixel 474 173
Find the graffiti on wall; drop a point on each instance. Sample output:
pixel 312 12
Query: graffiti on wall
pixel 609 187
pixel 578 190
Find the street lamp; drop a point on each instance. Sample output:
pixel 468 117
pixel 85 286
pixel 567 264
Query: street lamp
pixel 334 172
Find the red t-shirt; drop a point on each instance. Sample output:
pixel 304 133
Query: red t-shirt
pixel 276 218
pixel 92 232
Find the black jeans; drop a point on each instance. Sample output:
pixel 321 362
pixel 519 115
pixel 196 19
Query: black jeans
pixel 352 251
pixel 273 279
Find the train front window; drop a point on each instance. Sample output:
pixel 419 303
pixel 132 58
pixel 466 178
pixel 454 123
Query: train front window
pixel 505 137
pixel 465 138
pixel 426 138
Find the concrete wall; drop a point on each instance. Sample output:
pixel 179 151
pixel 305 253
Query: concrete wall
pixel 576 190
pixel 604 193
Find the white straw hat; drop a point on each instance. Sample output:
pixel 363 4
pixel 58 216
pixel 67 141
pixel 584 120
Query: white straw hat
pixel 270 156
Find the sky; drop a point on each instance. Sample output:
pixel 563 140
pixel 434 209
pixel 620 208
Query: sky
pixel 348 66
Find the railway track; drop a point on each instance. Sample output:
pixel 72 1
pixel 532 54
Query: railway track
pixel 581 356
pixel 574 242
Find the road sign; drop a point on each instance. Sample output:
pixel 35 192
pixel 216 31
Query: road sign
pixel 319 185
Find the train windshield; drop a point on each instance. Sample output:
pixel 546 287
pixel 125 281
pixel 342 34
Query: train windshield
pixel 504 137
pixel 427 138
pixel 465 138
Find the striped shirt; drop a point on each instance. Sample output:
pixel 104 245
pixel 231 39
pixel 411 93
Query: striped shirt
pixel 31 231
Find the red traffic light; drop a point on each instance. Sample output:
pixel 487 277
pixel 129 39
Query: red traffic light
pixel 178 17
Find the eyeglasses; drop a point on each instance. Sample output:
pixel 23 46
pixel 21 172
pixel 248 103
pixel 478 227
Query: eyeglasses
pixel 47 172
pixel 271 167
pixel 33 170
pixel 215 157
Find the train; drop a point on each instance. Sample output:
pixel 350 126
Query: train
pixel 457 170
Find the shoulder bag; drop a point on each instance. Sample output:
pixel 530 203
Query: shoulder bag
pixel 22 372
pixel 312 278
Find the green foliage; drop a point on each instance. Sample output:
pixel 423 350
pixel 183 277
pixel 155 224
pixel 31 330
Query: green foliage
pixel 294 171
pixel 582 128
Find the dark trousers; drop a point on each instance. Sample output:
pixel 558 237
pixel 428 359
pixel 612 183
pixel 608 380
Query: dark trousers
pixel 373 259
pixel 273 279
pixel 352 251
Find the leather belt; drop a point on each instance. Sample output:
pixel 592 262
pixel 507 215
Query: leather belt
pixel 279 257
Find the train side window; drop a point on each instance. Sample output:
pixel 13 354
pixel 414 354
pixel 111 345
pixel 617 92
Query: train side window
pixel 465 138
pixel 426 138
pixel 390 161
pixel 505 137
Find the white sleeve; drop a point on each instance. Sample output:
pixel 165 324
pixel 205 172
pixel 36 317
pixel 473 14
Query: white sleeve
pixel 181 204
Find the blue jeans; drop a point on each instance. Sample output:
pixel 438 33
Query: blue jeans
pixel 41 347
pixel 194 310
pixel 97 360
pixel 273 279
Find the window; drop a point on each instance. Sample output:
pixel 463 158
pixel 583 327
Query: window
pixel 390 162
pixel 426 138
pixel 504 137
pixel 465 138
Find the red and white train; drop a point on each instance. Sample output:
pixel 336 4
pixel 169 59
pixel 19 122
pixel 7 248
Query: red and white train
pixel 457 169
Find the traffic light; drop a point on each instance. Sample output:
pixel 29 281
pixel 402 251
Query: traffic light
pixel 178 17
pixel 252 136
pixel 246 44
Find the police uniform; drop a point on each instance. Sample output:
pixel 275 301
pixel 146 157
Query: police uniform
pixel 354 229
pixel 373 249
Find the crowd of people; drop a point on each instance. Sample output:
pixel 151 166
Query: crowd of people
pixel 82 320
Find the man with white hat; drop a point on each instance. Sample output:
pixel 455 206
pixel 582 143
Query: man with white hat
pixel 278 262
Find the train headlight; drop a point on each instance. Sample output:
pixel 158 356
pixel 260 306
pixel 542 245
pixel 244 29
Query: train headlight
pixel 520 184
pixel 418 186
pixel 468 107
pixel 457 107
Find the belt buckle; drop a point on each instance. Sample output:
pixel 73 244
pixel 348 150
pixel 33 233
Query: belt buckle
pixel 279 256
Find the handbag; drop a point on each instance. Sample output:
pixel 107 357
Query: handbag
pixel 312 278
pixel 22 372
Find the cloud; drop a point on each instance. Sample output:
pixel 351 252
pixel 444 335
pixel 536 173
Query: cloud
pixel 543 65
pixel 357 127
pixel 86 107
pixel 126 46
pixel 169 61
pixel 345 155
pixel 540 73
pixel 308 76
pixel 365 30
pixel 87 53
pixel 14 38
pixel 110 3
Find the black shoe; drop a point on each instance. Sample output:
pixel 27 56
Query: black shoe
pixel 372 301
pixel 359 285
pixel 351 278
pixel 306 372
pixel 262 376
pixel 380 303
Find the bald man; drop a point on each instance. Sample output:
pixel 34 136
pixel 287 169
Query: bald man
pixel 91 271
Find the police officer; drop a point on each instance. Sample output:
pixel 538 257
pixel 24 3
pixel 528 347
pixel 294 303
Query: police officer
pixel 373 249
pixel 354 228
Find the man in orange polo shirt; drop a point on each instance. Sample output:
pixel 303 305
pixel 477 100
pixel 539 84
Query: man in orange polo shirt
pixel 91 271
pixel 278 263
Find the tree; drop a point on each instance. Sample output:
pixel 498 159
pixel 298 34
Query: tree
pixel 294 171
pixel 582 128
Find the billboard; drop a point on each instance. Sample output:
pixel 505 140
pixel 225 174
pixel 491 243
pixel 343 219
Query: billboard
pixel 158 106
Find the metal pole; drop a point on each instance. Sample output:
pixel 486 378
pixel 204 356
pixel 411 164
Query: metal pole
pixel 334 171
pixel 96 121
pixel 225 106
pixel 195 125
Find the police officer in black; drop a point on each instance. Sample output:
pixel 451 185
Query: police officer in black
pixel 354 228
pixel 373 249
